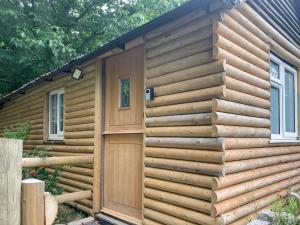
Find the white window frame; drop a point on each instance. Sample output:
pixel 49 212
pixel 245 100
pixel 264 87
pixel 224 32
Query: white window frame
pixel 280 83
pixel 60 134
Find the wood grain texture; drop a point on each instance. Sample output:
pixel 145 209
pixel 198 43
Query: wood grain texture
pixel 10 181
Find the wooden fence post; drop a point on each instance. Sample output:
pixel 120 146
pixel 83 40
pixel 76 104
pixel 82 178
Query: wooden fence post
pixel 33 202
pixel 10 180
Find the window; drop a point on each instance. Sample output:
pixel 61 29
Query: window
pixel 283 100
pixel 124 93
pixel 56 114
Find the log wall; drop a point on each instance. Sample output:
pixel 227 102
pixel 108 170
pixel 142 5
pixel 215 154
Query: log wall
pixel 256 172
pixel 181 154
pixel 79 125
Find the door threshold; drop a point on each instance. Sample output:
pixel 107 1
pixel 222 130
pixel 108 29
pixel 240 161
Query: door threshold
pixel 109 220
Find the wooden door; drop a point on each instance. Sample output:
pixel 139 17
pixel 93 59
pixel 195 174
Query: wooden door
pixel 123 149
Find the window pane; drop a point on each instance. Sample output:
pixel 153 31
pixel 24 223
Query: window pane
pixel 289 102
pixel 275 110
pixel 53 114
pixel 61 112
pixel 274 69
pixel 125 93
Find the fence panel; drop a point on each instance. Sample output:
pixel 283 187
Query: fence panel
pixel 10 181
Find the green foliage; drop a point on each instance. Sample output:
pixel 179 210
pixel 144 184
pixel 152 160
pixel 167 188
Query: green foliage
pixel 286 211
pixel 18 131
pixel 41 173
pixel 38 36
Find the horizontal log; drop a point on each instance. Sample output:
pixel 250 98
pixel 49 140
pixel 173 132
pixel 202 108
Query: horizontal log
pixel 237 108
pixel 74 176
pixel 219 53
pixel 80 113
pixel 77 121
pixel 249 89
pixel 81 207
pixel 222 29
pixel 162 218
pixel 180 109
pixel 76 184
pixel 185 154
pixel 73 196
pixel 239 131
pixel 248 78
pixel 180 212
pixel 185 46
pixel 81 99
pixel 190 96
pixel 179 177
pixel 239 26
pixel 185 166
pixel 246 99
pixel 179 120
pixel 81 106
pixel 179 200
pixel 182 21
pixel 79 170
pixel 56 161
pixel 65 148
pixel 80 127
pixel 186 74
pixel 80 142
pixel 279 49
pixel 88 90
pixel 186 143
pixel 181 31
pixel 79 134
pixel 190 85
pixel 67 153
pixel 240 200
pixel 149 222
pixel 238 120
pixel 178 188
pixel 234 167
pixel 236 178
pixel 247 11
pixel 238 189
pixel 242 211
pixel 235 143
pixel 181 131
pixel 236 50
pixel 241 154
pixel 180 64
pixel 247 219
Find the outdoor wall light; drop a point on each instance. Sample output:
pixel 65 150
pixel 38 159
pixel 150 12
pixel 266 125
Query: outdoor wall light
pixel 77 74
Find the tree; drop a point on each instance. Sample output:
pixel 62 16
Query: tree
pixel 37 36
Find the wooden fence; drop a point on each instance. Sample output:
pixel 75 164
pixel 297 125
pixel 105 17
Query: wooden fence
pixel 10 181
pixel 24 202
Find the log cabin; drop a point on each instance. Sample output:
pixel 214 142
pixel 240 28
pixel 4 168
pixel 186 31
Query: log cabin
pixel 191 118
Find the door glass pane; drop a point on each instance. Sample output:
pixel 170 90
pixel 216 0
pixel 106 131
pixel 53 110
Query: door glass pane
pixel 289 102
pixel 53 114
pixel 61 112
pixel 125 93
pixel 274 69
pixel 275 110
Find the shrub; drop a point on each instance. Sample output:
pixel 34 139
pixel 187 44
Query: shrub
pixel 286 211
pixel 19 131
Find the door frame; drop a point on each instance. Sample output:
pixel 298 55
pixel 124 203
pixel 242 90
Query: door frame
pixel 101 148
